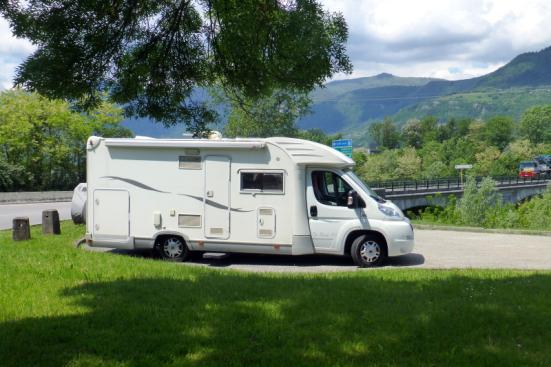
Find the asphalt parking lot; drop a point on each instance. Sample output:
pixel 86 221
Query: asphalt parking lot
pixel 434 249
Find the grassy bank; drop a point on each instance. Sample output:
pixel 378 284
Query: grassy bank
pixel 65 306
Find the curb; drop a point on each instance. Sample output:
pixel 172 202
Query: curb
pixel 481 230
pixel 35 197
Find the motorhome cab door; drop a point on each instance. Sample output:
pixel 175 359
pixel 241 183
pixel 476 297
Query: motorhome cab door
pixel 326 197
pixel 216 199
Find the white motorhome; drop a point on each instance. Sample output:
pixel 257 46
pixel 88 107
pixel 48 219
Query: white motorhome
pixel 270 196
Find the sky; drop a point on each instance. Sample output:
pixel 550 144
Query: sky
pixel 451 39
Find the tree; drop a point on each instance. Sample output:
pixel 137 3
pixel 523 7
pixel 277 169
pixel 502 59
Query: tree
pixel 477 202
pixel 429 128
pixel 379 167
pixel 412 133
pixel 515 152
pixel 459 150
pixel 520 150
pixel 487 162
pixel 536 124
pixel 271 116
pixel 44 142
pixel 453 129
pixel 536 213
pixel 408 164
pixel 477 133
pixel 359 156
pixel 436 169
pixel 498 131
pixel 11 175
pixel 318 136
pixel 149 56
pixel 385 134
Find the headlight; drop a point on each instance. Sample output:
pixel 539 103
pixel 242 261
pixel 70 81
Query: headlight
pixel 390 212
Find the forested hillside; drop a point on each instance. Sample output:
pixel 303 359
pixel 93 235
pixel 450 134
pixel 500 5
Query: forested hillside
pixel 351 106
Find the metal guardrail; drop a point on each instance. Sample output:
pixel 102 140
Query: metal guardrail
pixel 450 183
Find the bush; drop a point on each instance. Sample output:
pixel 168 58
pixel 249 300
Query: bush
pixel 11 175
pixel 436 214
pixel 536 213
pixel 476 202
pixel 483 207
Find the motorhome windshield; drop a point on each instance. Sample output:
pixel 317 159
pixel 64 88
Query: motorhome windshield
pixel 364 187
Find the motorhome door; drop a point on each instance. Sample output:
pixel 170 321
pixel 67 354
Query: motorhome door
pixel 326 197
pixel 216 198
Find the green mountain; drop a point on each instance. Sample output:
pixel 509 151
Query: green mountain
pixel 345 103
pixel 338 87
pixel 479 104
pixel 351 105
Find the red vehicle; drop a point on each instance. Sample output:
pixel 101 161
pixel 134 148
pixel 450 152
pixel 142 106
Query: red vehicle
pixel 528 169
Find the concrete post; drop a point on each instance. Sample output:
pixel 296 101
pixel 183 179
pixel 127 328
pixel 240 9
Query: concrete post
pixel 21 229
pixel 50 222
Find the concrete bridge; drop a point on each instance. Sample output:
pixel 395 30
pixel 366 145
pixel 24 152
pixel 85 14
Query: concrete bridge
pixel 408 195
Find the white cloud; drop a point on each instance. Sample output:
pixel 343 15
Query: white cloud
pixel 441 38
pixel 12 52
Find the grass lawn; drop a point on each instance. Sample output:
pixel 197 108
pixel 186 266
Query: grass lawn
pixel 62 306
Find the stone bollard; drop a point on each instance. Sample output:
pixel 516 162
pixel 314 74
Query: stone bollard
pixel 50 222
pixel 21 229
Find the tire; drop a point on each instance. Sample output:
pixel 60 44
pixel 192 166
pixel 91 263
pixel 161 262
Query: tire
pixel 368 251
pixel 173 248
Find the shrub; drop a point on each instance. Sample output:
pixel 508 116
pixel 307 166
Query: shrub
pixel 536 213
pixel 476 202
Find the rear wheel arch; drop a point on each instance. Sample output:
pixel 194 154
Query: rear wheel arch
pixel 161 234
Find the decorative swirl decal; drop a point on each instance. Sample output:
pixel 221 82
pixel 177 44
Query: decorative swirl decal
pixel 135 183
pixel 145 187
pixel 215 204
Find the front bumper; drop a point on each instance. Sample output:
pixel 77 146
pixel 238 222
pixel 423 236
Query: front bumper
pixel 400 237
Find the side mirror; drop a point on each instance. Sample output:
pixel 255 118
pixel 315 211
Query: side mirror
pixel 352 201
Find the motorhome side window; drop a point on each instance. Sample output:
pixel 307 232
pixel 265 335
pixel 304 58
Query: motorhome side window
pixel 270 182
pixel 189 162
pixel 330 188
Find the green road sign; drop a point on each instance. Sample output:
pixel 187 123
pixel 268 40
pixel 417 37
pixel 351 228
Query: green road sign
pixel 345 150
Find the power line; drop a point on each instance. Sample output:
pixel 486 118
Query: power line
pixel 428 97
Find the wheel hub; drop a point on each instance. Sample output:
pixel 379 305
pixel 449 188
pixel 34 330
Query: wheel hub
pixel 173 248
pixel 370 251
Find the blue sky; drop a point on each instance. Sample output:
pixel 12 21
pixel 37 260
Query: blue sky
pixel 452 39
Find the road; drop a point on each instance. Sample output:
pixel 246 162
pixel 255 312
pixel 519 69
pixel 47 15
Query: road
pixel 434 249
pixel 31 210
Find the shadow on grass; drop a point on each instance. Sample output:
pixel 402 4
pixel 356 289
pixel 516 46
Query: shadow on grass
pixel 235 319
pixel 259 261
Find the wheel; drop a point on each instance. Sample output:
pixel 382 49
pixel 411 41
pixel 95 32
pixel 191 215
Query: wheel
pixel 368 251
pixel 173 248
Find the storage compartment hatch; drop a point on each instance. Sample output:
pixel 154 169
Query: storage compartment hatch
pixel 266 222
pixel 111 214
